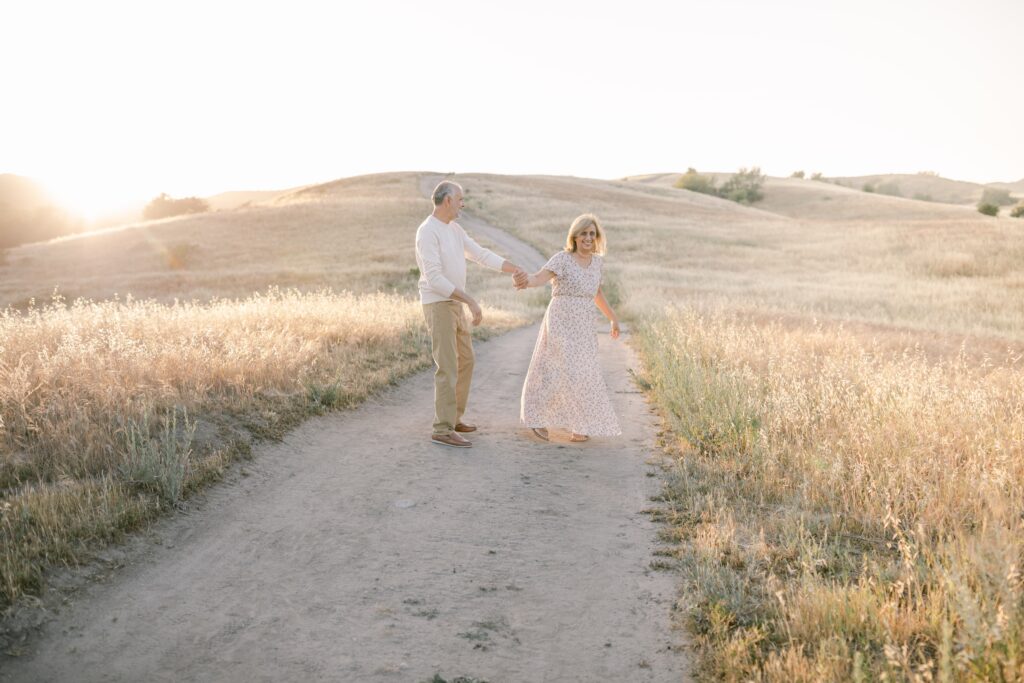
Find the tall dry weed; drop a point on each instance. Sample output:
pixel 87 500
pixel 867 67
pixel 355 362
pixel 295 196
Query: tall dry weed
pixel 112 411
pixel 843 510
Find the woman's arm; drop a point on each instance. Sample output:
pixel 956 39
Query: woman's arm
pixel 602 304
pixel 537 279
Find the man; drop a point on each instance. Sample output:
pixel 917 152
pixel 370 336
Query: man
pixel 442 247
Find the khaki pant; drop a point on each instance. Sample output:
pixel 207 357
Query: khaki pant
pixel 451 345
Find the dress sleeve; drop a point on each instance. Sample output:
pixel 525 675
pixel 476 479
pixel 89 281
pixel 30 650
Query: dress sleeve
pixel 556 264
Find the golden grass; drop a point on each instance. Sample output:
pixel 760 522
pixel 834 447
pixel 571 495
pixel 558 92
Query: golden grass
pixel 936 268
pixel 109 411
pixel 842 510
pixel 848 498
pixel 846 414
pixel 112 410
pixel 355 235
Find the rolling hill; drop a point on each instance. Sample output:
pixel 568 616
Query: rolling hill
pixel 810 247
pixel 28 214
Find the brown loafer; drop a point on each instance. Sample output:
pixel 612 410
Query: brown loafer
pixel 463 427
pixel 450 439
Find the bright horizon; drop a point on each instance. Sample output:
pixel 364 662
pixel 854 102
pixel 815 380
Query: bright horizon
pixel 115 102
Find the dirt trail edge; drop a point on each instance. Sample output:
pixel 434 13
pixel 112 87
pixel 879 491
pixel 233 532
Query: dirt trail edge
pixel 356 550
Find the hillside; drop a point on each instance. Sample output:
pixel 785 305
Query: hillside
pixel 1016 188
pixel 919 186
pixel 225 201
pixel 340 239
pixel 892 261
pixel 809 247
pixel 19 193
pixel 819 200
pixel 28 214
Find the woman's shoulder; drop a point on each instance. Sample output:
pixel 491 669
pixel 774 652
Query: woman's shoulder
pixel 558 256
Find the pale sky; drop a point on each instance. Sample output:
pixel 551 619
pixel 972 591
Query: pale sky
pixel 110 102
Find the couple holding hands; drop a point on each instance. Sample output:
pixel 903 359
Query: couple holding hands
pixel 564 387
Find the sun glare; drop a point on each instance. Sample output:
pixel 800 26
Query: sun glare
pixel 90 201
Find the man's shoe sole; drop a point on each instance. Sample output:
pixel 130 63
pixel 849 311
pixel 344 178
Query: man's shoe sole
pixel 451 445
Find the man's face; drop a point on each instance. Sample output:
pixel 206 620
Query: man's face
pixel 456 206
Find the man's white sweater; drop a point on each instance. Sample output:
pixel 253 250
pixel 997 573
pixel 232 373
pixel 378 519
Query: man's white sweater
pixel 441 253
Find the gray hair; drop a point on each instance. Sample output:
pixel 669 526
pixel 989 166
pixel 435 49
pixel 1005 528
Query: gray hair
pixel 445 188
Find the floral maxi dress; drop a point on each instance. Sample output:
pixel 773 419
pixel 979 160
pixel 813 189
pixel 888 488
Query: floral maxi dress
pixel 564 387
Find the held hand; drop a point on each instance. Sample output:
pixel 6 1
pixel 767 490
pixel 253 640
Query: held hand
pixel 615 329
pixel 520 279
pixel 478 314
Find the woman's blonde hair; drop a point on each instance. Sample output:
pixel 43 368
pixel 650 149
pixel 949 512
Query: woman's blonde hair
pixel 579 225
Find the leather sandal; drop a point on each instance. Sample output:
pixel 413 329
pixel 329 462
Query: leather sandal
pixel 579 438
pixel 541 433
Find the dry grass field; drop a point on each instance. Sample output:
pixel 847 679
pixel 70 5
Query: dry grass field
pixel 840 375
pixel 842 508
pixel 920 185
pixel 350 235
pixel 938 268
pixel 843 391
pixel 197 335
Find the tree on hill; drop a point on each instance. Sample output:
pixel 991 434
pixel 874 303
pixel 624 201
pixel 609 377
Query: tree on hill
pixel 695 182
pixel 997 196
pixel 744 186
pixel 890 187
pixel 165 206
pixel 988 209
pixel 797 174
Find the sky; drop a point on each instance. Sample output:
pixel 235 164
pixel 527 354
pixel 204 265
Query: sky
pixel 109 103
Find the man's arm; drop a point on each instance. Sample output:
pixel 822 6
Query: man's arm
pixel 485 257
pixel 474 307
pixel 429 251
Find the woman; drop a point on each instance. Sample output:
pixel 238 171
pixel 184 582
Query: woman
pixel 564 387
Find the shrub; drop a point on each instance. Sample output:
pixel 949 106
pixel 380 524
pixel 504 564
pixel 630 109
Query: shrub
pixel 890 188
pixel 868 187
pixel 165 206
pixel 159 461
pixel 999 197
pixel 797 174
pixel 744 186
pixel 1018 211
pixel 178 255
pixel 988 209
pixel 695 182
pixel 817 176
pixel 923 196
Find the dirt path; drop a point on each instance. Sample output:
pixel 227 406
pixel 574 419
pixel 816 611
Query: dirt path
pixel 356 550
